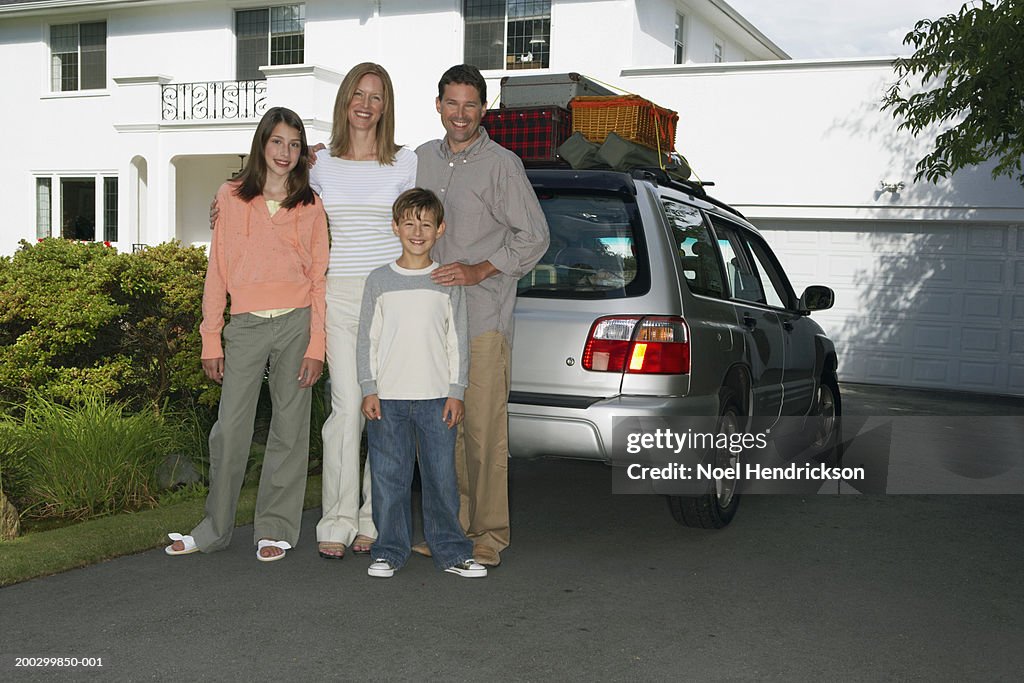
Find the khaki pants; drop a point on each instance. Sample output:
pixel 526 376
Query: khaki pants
pixel 481 450
pixel 345 513
pixel 249 342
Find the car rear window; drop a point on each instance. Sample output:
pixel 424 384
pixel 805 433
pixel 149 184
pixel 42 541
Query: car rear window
pixel 597 249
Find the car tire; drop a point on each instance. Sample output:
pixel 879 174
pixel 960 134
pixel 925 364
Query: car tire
pixel 716 507
pixel 822 428
pixel 828 416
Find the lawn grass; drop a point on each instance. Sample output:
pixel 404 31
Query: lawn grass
pixel 50 552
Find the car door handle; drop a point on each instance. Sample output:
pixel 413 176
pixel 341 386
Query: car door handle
pixel 788 326
pixel 749 321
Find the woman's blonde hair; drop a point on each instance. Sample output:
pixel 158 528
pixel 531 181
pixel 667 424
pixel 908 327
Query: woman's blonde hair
pixel 340 139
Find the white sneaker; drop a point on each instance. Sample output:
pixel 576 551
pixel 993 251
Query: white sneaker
pixel 468 568
pixel 381 568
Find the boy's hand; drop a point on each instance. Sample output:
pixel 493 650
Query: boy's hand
pixel 313 149
pixel 371 407
pixel 309 372
pixel 214 369
pixel 214 212
pixel 453 412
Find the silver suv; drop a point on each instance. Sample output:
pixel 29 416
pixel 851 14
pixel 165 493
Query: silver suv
pixel 656 301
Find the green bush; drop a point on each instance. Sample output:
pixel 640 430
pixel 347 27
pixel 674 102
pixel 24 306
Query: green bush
pixel 89 459
pixel 79 317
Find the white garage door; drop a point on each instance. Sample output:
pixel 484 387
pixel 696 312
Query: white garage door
pixel 935 305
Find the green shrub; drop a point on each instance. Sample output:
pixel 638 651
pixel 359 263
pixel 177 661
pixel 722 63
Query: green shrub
pixel 192 423
pixel 13 469
pixel 79 317
pixel 89 459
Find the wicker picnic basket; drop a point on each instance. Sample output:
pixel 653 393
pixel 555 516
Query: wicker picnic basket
pixel 630 116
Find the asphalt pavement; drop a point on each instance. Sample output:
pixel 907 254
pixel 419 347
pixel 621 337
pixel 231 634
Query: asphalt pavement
pixel 595 586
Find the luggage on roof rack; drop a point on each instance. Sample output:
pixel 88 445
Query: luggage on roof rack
pixel 630 116
pixel 534 133
pixel 547 90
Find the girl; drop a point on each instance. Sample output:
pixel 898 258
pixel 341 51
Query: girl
pixel 269 252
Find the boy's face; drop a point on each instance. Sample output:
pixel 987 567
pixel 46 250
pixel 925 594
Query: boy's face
pixel 418 233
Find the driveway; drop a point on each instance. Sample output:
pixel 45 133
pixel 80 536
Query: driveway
pixel 595 587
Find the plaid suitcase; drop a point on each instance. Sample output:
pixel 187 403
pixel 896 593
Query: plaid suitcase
pixel 532 133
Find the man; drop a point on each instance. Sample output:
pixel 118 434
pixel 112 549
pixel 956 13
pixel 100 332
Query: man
pixel 496 234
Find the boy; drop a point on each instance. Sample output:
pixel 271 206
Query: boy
pixel 412 360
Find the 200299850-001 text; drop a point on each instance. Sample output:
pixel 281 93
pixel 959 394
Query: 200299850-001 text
pixel 58 662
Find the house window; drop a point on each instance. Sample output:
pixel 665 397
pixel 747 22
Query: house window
pixel 274 36
pixel 77 207
pixel 78 56
pixel 43 211
pixel 110 209
pixel 718 52
pixel 680 55
pixel 507 34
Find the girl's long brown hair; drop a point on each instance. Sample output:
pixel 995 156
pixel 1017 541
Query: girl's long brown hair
pixel 252 178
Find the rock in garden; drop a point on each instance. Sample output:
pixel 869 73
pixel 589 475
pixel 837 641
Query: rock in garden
pixel 9 522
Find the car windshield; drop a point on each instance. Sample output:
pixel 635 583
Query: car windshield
pixel 596 251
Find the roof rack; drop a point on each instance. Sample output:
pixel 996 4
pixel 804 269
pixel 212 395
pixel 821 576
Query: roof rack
pixel 660 177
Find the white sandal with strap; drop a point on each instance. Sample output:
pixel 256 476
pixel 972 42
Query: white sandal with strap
pixel 186 540
pixel 267 543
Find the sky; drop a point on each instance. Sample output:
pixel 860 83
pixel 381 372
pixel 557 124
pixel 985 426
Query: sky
pixel 820 29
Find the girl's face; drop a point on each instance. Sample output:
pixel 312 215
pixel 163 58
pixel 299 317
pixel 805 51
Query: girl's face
pixel 367 103
pixel 283 149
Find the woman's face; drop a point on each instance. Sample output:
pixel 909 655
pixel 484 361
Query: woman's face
pixel 367 103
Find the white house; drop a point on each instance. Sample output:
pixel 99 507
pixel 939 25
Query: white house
pixel 124 116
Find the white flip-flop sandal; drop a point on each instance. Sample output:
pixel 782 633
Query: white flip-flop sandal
pixel 266 543
pixel 188 541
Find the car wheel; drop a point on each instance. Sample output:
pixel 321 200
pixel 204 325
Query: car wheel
pixel 825 424
pixel 822 430
pixel 716 507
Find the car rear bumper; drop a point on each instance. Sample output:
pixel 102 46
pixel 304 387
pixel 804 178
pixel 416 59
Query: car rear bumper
pixel 579 427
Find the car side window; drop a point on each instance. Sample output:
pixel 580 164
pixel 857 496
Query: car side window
pixel 697 254
pixel 776 287
pixel 744 283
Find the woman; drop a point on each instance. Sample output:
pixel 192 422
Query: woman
pixel 358 179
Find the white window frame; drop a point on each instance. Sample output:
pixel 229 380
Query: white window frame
pixel 679 39
pixel 504 33
pixel 49 61
pixel 57 201
pixel 718 50
pixel 270 32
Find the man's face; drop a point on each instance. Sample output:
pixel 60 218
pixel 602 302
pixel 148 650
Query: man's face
pixel 461 112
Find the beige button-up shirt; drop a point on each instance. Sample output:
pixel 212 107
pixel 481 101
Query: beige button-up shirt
pixel 492 214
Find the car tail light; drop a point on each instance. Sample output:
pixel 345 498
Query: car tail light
pixel 638 345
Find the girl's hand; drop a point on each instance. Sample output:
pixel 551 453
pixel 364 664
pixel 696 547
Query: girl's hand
pixel 371 407
pixel 453 412
pixel 214 212
pixel 214 369
pixel 309 372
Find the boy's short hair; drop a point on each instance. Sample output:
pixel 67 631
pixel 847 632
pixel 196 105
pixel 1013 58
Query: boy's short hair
pixel 417 201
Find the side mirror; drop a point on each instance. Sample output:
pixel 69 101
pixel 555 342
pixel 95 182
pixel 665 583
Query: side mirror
pixel 817 298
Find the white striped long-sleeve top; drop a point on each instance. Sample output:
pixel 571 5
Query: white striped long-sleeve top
pixel 357 196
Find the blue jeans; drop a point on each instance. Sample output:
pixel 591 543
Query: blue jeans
pixel 392 454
